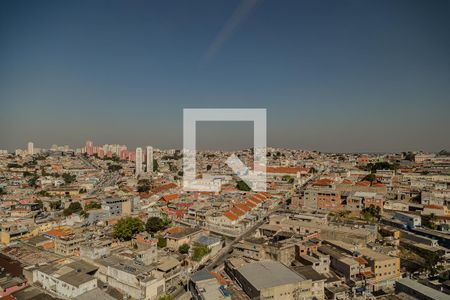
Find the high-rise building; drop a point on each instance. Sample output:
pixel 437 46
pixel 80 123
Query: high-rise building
pixel 30 148
pixel 138 161
pixel 89 148
pixel 149 159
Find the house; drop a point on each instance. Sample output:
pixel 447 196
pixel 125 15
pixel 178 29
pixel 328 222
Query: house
pixel 67 281
pixel 175 240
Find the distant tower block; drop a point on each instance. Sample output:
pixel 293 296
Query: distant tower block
pixel 149 159
pixel 138 161
pixel 30 148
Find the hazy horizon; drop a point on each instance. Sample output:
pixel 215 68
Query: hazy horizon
pixel 334 76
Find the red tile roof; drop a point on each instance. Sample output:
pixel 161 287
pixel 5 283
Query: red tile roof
pixel 255 200
pixel 230 215
pixel 170 197
pixel 267 195
pixel 260 197
pixel 434 206
pixel 164 187
pixel 237 211
pixel 243 207
pixel 363 183
pixel 323 182
pixel 291 170
pixel 250 204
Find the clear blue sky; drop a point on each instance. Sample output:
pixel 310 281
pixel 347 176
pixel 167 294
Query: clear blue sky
pixel 334 75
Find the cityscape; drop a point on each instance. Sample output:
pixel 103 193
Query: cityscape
pixel 123 178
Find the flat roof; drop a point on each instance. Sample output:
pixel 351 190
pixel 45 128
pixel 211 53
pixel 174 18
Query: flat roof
pixel 423 289
pixel 267 274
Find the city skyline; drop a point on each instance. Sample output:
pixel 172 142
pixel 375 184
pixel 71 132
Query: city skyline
pixel 333 76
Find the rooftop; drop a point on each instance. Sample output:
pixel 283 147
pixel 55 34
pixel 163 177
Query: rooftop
pixel 261 274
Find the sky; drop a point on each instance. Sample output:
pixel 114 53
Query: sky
pixel 334 76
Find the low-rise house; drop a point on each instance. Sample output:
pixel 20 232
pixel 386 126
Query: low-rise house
pixel 134 280
pixel 66 281
pixel 175 240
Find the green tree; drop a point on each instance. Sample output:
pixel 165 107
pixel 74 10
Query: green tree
pixel 68 178
pixel 184 249
pixel 74 207
pixel 13 165
pixel 2 191
pixel 43 193
pixel 127 227
pixel 286 178
pixel 371 212
pixel 162 242
pixel 55 204
pixel 155 165
pixel 154 224
pixel 370 177
pixel 165 297
pixel 429 221
pixel 93 205
pixel 242 186
pixel 143 186
pixel 114 168
pixel 40 203
pixel 27 174
pixel 200 251
pixel 32 181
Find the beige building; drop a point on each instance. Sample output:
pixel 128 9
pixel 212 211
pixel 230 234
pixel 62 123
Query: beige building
pixel 174 241
pixel 272 280
pixel 385 268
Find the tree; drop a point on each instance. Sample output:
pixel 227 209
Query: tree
pixel 127 227
pixel 143 186
pixel 13 165
pixel 93 205
pixel 43 193
pixel 343 214
pixel 40 203
pixel 162 242
pixel 286 178
pixel 242 186
pixel 184 249
pixel 32 181
pixel 165 297
pixel 55 205
pixel 371 212
pixel 74 207
pixel 2 191
pixel 114 167
pixel 370 177
pixel 154 224
pixel 68 178
pixel 429 221
pixel 200 251
pixel 208 167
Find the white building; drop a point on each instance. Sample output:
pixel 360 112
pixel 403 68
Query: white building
pixel 68 281
pixel 138 161
pixel 30 148
pixel 149 159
